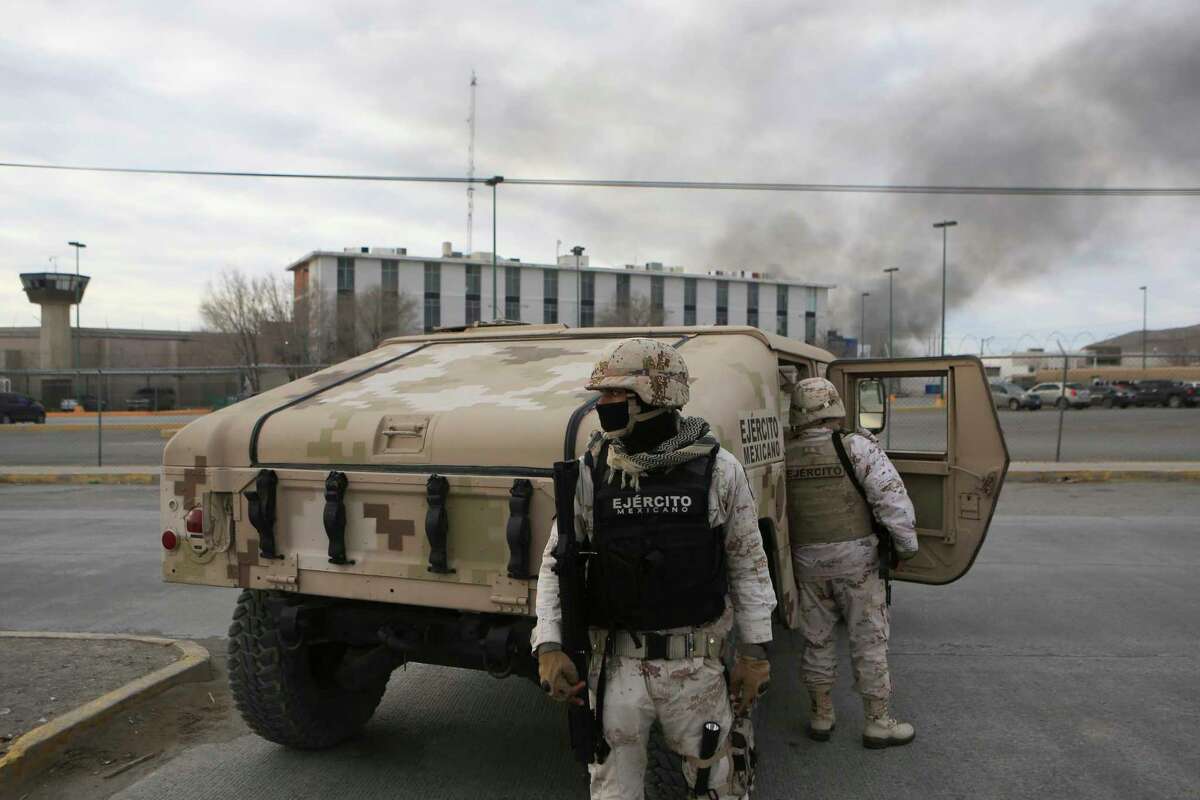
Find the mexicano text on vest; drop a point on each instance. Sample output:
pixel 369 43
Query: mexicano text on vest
pixel 823 504
pixel 657 563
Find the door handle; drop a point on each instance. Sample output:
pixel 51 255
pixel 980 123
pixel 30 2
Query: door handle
pixel 414 430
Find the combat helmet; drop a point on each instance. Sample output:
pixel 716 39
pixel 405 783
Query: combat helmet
pixel 814 399
pixel 654 371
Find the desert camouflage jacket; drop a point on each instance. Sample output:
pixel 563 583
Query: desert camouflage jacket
pixel 730 503
pixel 889 502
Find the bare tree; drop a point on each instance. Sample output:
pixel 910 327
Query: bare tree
pixel 379 315
pixel 257 313
pixel 639 312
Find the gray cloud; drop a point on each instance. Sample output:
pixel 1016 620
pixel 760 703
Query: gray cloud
pixel 1117 105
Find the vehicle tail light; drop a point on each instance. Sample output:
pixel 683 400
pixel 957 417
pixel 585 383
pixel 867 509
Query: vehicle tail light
pixel 169 540
pixel 1073 393
pixel 194 520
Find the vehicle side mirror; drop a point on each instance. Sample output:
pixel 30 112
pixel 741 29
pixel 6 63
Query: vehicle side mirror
pixel 872 405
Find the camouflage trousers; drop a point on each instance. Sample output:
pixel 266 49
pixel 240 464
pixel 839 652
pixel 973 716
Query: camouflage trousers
pixel 682 695
pixel 860 601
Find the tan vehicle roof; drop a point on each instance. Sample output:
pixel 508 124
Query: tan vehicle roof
pixel 491 396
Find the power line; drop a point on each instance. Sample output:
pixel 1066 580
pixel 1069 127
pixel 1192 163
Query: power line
pixel 845 188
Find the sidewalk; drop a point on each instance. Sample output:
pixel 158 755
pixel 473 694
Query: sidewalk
pixel 1018 471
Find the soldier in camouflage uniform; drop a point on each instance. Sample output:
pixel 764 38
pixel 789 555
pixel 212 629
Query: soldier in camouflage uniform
pixel 836 561
pixel 698 573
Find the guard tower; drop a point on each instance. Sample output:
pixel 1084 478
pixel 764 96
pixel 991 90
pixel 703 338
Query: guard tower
pixel 55 292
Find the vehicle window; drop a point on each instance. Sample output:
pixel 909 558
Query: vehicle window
pixel 1074 385
pixel 916 419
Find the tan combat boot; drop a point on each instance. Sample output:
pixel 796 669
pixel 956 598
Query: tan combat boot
pixel 881 730
pixel 820 717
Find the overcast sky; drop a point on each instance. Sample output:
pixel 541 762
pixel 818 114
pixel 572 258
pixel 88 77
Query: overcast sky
pixel 1067 93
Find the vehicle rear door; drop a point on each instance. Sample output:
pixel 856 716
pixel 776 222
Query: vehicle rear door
pixel 936 420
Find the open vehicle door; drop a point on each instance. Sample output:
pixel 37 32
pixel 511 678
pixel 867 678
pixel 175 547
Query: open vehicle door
pixel 936 420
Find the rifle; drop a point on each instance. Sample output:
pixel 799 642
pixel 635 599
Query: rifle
pixel 888 560
pixel 570 566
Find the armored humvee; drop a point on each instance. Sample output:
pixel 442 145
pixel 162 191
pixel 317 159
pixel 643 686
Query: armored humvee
pixel 394 507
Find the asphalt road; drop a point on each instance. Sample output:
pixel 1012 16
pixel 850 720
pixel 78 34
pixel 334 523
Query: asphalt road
pixel 1063 665
pixel 1095 434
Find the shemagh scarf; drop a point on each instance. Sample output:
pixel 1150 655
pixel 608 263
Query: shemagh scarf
pixel 691 441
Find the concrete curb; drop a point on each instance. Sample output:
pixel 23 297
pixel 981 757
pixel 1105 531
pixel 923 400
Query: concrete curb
pixel 72 427
pixel 1072 475
pixel 52 477
pixel 33 751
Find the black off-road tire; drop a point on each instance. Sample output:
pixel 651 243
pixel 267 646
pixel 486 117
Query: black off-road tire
pixel 664 770
pixel 1175 401
pixel 1014 405
pixel 288 695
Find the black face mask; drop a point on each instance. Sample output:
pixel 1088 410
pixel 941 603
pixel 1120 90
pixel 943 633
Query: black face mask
pixel 613 416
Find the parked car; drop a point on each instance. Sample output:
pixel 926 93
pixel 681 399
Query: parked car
pixel 89 402
pixel 1014 398
pixel 1060 396
pixel 1116 394
pixel 152 398
pixel 16 407
pixel 1172 394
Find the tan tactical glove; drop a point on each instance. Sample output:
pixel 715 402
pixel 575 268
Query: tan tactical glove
pixel 748 682
pixel 558 676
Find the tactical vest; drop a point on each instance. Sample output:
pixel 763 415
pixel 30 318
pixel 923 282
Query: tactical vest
pixel 657 563
pixel 823 505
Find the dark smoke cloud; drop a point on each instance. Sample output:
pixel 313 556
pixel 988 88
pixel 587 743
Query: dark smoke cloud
pixel 1117 106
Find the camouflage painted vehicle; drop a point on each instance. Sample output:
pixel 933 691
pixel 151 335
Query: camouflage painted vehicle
pixel 394 507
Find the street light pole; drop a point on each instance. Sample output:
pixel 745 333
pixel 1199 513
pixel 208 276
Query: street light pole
pixel 78 332
pixel 891 329
pixel 578 251
pixel 1145 294
pixel 946 223
pixel 862 324
pixel 493 182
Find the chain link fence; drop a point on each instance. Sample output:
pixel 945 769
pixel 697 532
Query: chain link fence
pixel 1067 407
pixel 1100 412
pixel 117 417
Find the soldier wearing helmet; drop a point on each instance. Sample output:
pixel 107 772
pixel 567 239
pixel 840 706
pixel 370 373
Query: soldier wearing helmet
pixel 677 564
pixel 843 492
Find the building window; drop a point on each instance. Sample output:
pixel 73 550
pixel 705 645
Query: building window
pixel 389 277
pixel 752 304
pixel 810 317
pixel 623 293
pixel 656 298
pixel 474 303
pixel 512 293
pixel 550 295
pixel 781 310
pixel 689 301
pixel 722 302
pixel 389 301
pixel 587 300
pixel 345 276
pixel 433 296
